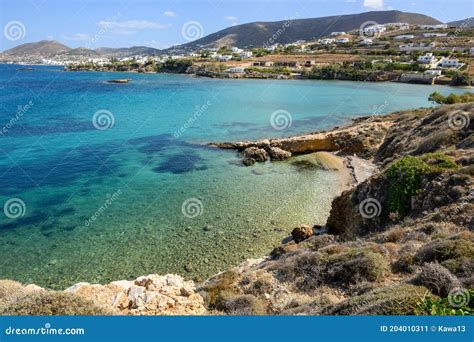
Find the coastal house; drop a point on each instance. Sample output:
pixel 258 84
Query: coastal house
pixel 342 40
pixel 404 37
pixel 450 63
pixel 471 51
pixel 397 26
pixel 236 70
pixel 224 58
pixel 337 33
pixel 428 59
pixel 434 34
pixel 263 64
pixel 287 64
pixel 433 72
pixel 417 47
pixel 375 29
pixel 246 54
pixel 235 49
pixel 272 47
pixel 433 27
pixel 309 64
pixel 366 41
pixel 327 41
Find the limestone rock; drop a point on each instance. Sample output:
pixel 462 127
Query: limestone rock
pixel 277 153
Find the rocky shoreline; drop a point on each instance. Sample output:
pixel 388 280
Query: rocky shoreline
pixel 398 241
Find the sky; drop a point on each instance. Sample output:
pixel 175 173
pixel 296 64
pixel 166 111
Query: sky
pixel 164 23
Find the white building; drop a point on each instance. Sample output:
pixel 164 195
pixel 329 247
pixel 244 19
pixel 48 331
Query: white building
pixel 404 37
pixel 433 72
pixel 327 41
pixel 237 70
pixel 343 40
pixel 374 29
pixel 428 59
pixel 367 41
pixel 433 27
pixel 235 49
pixel 224 58
pixel 471 51
pixel 399 26
pixel 434 34
pixel 417 47
pixel 448 63
pixel 337 33
pixel 246 54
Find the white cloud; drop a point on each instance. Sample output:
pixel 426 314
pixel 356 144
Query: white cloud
pixel 169 14
pixel 374 4
pixel 130 26
pixel 79 37
pixel 230 18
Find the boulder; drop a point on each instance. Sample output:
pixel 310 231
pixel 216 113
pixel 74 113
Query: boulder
pixel 259 154
pixel 302 233
pixel 277 153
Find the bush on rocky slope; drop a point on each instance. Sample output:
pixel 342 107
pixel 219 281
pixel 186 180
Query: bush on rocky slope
pixel 46 303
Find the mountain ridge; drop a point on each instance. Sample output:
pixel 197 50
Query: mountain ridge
pixel 249 35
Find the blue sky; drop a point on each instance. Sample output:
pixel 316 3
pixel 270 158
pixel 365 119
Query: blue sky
pixel 124 23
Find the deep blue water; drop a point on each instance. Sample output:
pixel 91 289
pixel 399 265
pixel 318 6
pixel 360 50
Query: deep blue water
pixel 104 204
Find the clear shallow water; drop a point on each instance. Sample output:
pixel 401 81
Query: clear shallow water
pixel 133 178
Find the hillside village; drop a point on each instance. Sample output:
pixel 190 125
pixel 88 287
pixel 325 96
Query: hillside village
pixel 430 54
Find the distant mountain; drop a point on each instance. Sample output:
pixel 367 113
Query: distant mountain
pixel 128 52
pixel 258 33
pixel 44 48
pixel 249 35
pixel 468 22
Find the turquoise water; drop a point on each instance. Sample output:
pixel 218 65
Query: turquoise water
pixel 105 204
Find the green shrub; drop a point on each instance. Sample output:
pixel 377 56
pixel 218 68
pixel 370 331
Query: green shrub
pixel 451 98
pixel 451 253
pixel 49 303
pixel 442 307
pixel 406 175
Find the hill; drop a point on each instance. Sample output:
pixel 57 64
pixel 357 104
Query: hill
pixel 257 34
pixel 468 22
pixel 44 48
